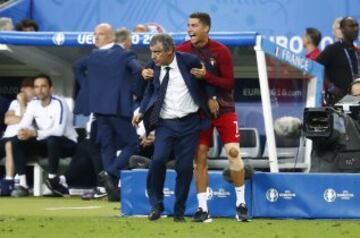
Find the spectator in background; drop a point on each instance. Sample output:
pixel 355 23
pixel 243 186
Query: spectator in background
pixel 54 136
pixel 123 38
pixel 110 99
pixel 27 25
pixel 311 41
pixel 341 61
pixel 12 118
pixel 336 29
pixel 141 28
pixel 6 24
pixel 355 86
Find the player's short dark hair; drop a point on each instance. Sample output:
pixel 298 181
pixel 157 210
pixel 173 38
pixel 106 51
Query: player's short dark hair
pixel 45 76
pixel 27 82
pixel 27 23
pixel 314 35
pixel 165 39
pixel 203 17
pixel 344 20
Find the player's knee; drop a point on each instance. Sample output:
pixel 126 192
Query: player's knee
pixel 234 152
pixel 236 164
pixel 201 152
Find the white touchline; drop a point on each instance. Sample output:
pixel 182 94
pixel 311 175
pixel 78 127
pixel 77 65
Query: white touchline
pixel 72 208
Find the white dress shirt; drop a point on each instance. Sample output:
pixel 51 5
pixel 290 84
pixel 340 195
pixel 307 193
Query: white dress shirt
pixel 178 101
pixel 107 46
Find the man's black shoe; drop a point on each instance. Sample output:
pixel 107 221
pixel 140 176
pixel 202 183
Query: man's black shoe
pixel 179 219
pixel 242 213
pixel 155 212
pixel 56 187
pixel 201 216
pixel 111 189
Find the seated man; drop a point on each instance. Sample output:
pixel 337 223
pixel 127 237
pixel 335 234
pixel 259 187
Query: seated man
pixel 53 137
pixel 12 118
pixel 355 86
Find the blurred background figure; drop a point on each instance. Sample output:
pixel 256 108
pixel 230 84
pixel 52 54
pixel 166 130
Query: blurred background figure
pixel 27 25
pixel 336 29
pixel 341 61
pixel 123 38
pixel 141 28
pixel 311 40
pixel 6 24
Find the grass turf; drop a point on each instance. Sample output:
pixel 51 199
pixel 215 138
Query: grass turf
pixel 71 217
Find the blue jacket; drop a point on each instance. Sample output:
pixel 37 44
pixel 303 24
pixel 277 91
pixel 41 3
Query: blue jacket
pixel 199 90
pixel 106 79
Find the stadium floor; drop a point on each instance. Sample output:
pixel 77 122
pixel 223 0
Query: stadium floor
pixel 72 217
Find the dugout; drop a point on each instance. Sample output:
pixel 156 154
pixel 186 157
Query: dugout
pixel 271 82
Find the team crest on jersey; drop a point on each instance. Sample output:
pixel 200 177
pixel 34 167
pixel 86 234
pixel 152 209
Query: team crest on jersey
pixel 212 61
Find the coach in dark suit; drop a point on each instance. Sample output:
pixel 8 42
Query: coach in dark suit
pixel 171 106
pixel 106 78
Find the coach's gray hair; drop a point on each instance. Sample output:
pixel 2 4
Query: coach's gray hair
pixel 165 39
pixel 122 35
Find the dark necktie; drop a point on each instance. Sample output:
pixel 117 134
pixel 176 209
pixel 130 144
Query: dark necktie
pixel 154 116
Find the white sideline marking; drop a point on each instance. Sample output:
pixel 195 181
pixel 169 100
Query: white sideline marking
pixel 72 208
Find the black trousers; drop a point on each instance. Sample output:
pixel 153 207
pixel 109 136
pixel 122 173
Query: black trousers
pixel 53 147
pixel 85 165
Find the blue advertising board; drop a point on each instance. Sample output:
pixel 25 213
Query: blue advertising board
pixel 221 194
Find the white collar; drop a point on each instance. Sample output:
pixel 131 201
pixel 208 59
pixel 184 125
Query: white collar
pixel 107 46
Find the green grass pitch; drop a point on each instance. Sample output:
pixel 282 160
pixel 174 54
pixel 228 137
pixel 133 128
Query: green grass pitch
pixel 72 217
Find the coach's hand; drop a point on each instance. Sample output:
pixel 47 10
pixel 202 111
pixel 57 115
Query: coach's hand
pixel 199 73
pixel 137 119
pixel 214 107
pixel 147 74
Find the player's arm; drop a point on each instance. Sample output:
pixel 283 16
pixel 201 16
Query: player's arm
pixel 25 124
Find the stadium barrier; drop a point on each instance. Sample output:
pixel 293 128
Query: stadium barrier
pixel 268 195
pixel 221 194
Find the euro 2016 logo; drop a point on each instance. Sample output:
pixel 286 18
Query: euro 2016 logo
pixel 272 195
pixel 329 195
pixel 58 38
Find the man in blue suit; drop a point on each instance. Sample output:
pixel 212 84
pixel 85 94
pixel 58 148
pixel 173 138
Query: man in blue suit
pixel 106 77
pixel 171 106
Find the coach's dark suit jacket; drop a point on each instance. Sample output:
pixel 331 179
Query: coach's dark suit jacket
pixel 200 91
pixel 106 80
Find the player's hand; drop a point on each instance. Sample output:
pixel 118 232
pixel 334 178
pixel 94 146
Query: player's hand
pixel 214 107
pixel 199 73
pixel 137 119
pixel 25 134
pixel 147 74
